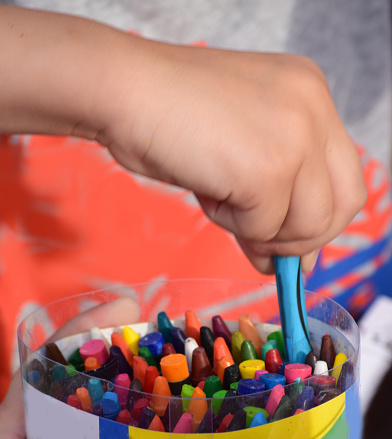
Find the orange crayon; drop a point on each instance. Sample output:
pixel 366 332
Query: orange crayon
pixel 197 407
pixel 85 400
pixel 175 369
pixel 140 366
pixel 156 425
pixel 91 363
pixel 192 326
pixel 220 350
pixel 161 395
pixel 250 332
pixel 222 364
pixel 117 340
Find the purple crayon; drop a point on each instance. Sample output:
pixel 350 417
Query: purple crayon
pixel 220 329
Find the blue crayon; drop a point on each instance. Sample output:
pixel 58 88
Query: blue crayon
pixel 153 341
pixel 292 308
pixel 258 419
pixel 305 400
pixel 110 405
pixel 178 340
pixel 165 326
pixel 59 372
pixel 272 379
pixel 282 366
pixel 248 386
pixel 97 409
pixel 33 376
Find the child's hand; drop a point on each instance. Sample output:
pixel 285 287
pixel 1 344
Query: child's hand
pixel 119 312
pixel 255 136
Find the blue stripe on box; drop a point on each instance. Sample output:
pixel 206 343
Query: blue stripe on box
pixel 112 430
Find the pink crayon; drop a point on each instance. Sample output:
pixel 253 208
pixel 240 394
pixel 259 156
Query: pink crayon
pixel 293 371
pixel 96 349
pixel 274 399
pixel 260 372
pixel 122 383
pixel 184 425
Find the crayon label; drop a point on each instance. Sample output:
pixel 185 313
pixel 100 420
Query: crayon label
pixel 47 418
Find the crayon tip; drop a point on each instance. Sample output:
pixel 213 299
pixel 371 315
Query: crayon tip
pixel 250 332
pixel 201 367
pixel 192 326
pixel 156 425
pixel 220 329
pixel 131 338
pixel 221 350
pixel 184 425
pixel 197 408
pixel 161 395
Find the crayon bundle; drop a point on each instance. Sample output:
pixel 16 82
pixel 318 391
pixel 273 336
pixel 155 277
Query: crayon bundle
pixel 188 377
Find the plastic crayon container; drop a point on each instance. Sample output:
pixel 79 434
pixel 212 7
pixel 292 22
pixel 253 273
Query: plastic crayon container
pixel 229 395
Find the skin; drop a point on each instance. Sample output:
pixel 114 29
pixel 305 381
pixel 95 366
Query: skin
pixel 255 136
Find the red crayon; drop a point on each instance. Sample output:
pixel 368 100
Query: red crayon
pixel 138 407
pixel 151 374
pixel 224 425
pixel 140 366
pixel 124 417
pixel 273 360
pixel 74 401
pixel 168 349
pixel 201 384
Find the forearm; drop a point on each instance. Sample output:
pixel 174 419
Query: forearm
pixel 57 72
